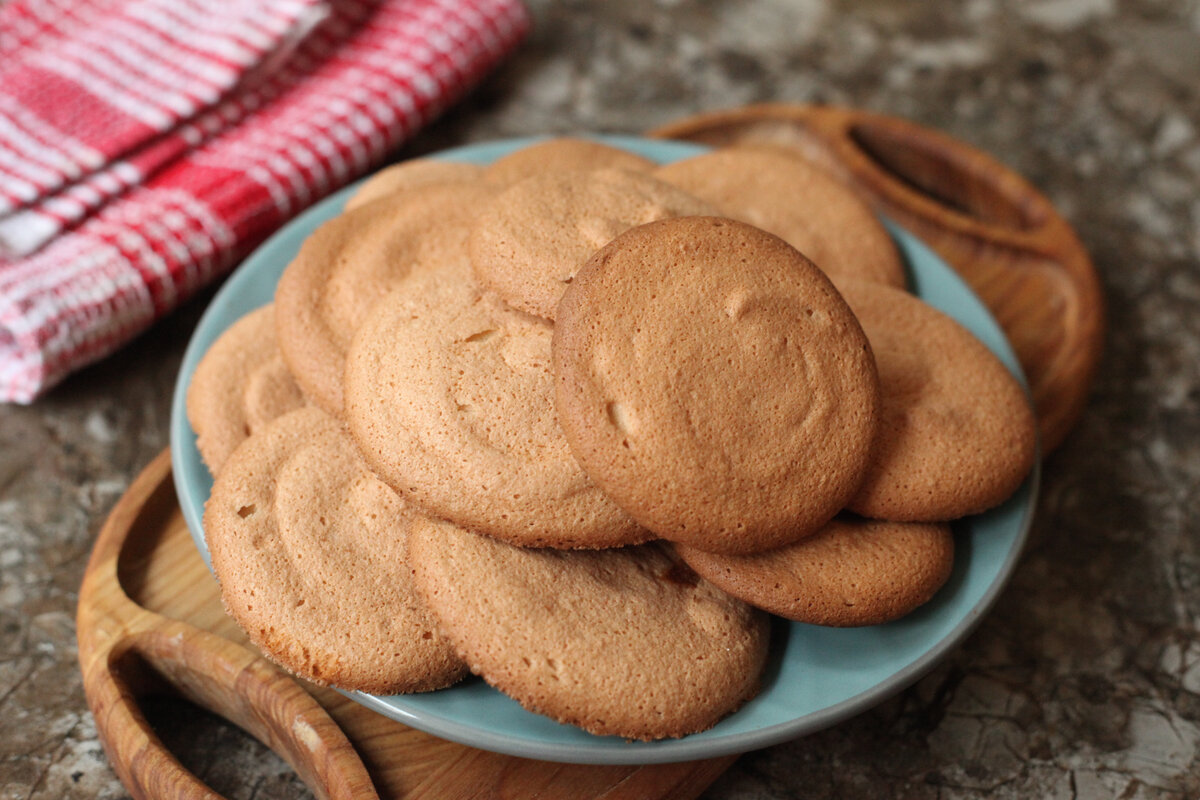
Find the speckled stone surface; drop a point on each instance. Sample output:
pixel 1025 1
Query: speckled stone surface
pixel 1085 680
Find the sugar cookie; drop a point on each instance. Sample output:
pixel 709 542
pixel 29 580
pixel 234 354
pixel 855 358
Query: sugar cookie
pixel 626 642
pixel 851 572
pixel 310 551
pixel 529 242
pixel 560 155
pixel 353 260
pixel 957 434
pixel 239 385
pixel 713 382
pixel 796 201
pixel 408 175
pixel 450 397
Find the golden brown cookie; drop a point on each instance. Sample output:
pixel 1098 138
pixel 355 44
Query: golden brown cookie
pixel 353 260
pixel 956 435
pixel 310 550
pixel 560 155
pixel 796 201
pixel 239 385
pixel 852 572
pixel 529 242
pixel 416 174
pixel 450 397
pixel 713 382
pixel 626 642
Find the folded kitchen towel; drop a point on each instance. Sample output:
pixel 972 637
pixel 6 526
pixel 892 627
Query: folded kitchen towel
pixel 147 145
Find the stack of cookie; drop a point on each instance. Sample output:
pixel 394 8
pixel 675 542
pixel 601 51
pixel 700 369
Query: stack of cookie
pixel 573 421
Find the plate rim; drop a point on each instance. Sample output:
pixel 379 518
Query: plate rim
pixel 657 752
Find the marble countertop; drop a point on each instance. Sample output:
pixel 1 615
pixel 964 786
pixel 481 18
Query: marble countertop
pixel 1085 679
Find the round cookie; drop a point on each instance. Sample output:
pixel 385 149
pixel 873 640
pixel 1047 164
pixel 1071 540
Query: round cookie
pixel 559 155
pixel 852 572
pixel 626 642
pixel 798 202
pixel 353 260
pixel 529 242
pixel 310 551
pixel 415 174
pixel 449 395
pixel 239 385
pixel 957 434
pixel 712 381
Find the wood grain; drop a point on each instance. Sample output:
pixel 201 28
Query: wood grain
pixel 150 621
pixel 1002 235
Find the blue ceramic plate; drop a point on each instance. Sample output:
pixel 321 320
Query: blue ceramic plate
pixel 815 677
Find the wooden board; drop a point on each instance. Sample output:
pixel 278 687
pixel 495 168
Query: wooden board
pixel 150 618
pixel 1002 235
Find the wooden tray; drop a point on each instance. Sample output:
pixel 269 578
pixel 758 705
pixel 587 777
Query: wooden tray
pixel 1002 235
pixel 150 618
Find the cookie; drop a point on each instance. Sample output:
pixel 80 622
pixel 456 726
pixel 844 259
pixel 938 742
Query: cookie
pixel 530 241
pixel 624 642
pixel 712 381
pixel 852 572
pixel 560 155
pixel 239 385
pixel 796 201
pixel 310 551
pixel 450 398
pixel 353 260
pixel 957 434
pixel 415 174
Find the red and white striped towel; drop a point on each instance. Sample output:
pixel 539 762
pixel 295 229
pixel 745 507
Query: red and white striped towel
pixel 147 145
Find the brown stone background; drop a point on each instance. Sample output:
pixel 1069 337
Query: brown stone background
pixel 1085 681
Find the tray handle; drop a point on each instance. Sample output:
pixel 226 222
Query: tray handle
pixel 228 680
pixel 936 177
pixel 1002 234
